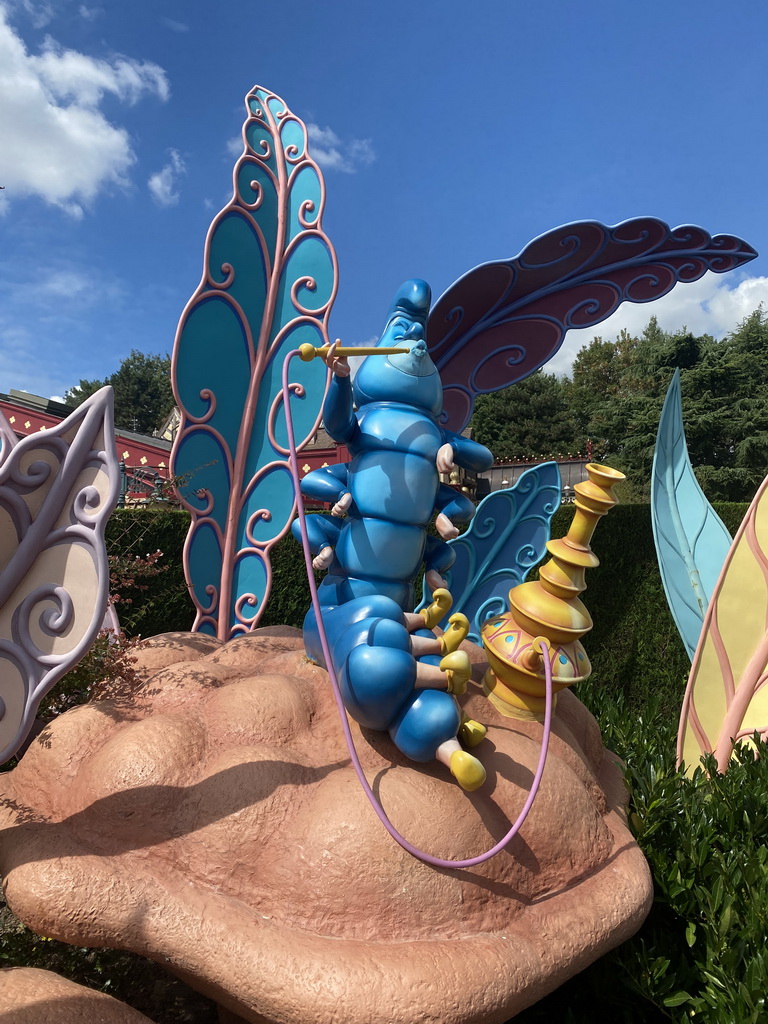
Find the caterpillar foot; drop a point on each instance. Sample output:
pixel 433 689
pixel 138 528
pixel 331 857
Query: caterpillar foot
pixel 458 627
pixel 342 505
pixel 467 770
pixel 458 670
pixel 441 605
pixel 323 559
pixel 471 733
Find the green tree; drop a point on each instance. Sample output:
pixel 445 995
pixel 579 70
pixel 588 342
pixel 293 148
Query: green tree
pixel 618 392
pixel 727 417
pixel 615 396
pixel 532 420
pixel 143 395
pixel 77 394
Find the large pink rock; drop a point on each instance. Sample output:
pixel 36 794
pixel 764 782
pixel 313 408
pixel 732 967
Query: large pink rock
pixel 211 820
pixel 31 996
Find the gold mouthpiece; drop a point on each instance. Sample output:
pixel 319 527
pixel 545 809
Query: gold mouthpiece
pixel 308 352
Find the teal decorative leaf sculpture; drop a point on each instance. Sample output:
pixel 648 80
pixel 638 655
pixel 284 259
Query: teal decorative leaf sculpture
pixel 691 540
pixel 269 280
pixel 504 541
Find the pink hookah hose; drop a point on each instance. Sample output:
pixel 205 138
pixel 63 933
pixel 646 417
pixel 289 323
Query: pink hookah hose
pixel 427 858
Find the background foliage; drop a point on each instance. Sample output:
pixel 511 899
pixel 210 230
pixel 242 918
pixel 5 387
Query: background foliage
pixel 143 395
pixel 613 402
pixel 151 598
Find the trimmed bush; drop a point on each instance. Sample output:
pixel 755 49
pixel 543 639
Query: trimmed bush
pixel 700 956
pixel 152 598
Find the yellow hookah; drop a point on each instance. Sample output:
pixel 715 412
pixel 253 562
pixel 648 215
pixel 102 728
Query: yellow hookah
pixel 549 607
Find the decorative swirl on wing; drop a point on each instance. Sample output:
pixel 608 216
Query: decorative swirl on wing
pixel 503 542
pixel 55 609
pixel 269 281
pixel 58 488
pixel 572 277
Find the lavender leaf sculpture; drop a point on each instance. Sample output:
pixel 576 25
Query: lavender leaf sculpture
pixel 503 542
pixel 57 489
pixel 503 320
pixel 691 541
pixel 269 280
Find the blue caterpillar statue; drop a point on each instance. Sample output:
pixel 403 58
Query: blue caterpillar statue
pixel 395 674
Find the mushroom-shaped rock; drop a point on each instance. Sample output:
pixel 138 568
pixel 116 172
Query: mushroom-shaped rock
pixel 211 820
pixel 31 996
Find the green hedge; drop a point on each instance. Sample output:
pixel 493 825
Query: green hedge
pixel 157 602
pixel 634 645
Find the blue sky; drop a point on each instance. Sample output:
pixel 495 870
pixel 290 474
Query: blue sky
pixel 449 135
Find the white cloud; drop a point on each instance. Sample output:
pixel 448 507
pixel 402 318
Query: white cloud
pixel 175 26
pixel 57 144
pixel 89 13
pixel 40 13
pixel 335 155
pixel 714 305
pixel 235 145
pixel 73 76
pixel 65 284
pixel 162 185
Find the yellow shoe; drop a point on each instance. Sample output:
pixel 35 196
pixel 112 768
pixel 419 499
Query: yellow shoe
pixel 441 605
pixel 467 770
pixel 471 732
pixel 458 627
pixel 458 670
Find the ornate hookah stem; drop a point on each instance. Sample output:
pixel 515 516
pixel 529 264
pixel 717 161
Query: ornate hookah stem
pixel 563 575
pixel 549 607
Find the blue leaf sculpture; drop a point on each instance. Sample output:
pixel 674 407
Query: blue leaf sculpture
pixel 269 281
pixel 504 541
pixel 691 540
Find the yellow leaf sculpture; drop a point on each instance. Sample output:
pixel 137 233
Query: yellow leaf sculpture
pixel 726 700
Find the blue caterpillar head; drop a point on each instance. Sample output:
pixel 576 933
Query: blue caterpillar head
pixel 410 378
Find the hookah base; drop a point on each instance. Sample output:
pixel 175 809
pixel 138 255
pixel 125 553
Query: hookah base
pixel 512 703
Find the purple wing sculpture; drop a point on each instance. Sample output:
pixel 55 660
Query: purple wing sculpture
pixel 503 320
pixel 57 490
pixel 269 280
